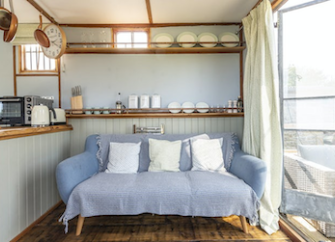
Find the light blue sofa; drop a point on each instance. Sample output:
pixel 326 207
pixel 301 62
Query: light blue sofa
pixel 186 193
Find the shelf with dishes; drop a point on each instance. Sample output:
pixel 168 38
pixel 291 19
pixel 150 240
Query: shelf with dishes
pixel 164 43
pixel 169 112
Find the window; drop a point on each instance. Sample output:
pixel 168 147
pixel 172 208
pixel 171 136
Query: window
pixel 32 59
pixel 131 38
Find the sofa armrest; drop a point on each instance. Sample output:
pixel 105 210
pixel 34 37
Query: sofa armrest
pixel 250 169
pixel 74 170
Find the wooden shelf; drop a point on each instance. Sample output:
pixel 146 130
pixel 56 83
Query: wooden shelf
pixel 171 50
pixel 156 115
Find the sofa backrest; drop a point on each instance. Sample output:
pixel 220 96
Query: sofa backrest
pixel 321 154
pixel 230 145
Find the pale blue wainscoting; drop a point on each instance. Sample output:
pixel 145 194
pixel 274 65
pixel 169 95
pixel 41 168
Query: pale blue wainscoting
pixel 87 126
pixel 27 179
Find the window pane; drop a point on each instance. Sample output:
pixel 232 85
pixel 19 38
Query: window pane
pixel 35 60
pixel 140 37
pixel 124 38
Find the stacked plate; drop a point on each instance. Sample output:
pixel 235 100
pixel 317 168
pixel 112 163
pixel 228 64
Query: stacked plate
pixel 190 38
pixel 189 106
pixel 202 107
pixel 228 37
pixel 165 38
pixel 207 37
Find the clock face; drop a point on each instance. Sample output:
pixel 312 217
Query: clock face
pixel 57 41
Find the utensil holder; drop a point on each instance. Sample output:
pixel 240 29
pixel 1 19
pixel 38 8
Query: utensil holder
pixel 77 103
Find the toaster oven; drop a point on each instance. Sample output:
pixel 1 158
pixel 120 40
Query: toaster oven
pixel 17 110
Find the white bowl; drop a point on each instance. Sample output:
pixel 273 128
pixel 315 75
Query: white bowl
pixel 188 105
pixel 204 107
pixel 174 105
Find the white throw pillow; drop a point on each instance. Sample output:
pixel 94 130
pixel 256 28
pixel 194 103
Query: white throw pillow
pixel 164 155
pixel 123 157
pixel 207 155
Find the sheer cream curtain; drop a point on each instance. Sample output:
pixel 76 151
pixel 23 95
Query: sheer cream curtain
pixel 262 131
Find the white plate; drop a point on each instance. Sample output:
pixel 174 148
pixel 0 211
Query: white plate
pixel 163 37
pixel 202 105
pixel 188 105
pixel 187 37
pixel 174 105
pixel 207 37
pixel 228 36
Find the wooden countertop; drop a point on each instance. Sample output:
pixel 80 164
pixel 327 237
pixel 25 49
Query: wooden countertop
pixel 23 131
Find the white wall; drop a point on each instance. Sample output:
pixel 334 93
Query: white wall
pixel 6 69
pixel 211 78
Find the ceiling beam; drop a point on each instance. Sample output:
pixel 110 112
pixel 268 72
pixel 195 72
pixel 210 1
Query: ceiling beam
pixel 145 25
pixel 42 11
pixel 147 2
pixel 277 4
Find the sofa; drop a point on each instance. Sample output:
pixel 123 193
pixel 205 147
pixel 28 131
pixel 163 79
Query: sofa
pixel 171 174
pixel 312 170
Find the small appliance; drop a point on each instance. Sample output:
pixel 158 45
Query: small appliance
pixel 18 110
pixel 57 116
pixel 40 116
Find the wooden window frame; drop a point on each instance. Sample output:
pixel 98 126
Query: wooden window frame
pixel 132 30
pixel 22 65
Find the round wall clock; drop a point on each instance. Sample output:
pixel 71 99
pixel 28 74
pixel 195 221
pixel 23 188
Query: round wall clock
pixel 57 41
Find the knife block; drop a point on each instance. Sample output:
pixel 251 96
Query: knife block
pixel 77 103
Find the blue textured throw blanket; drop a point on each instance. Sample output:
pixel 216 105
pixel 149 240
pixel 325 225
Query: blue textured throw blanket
pixel 193 193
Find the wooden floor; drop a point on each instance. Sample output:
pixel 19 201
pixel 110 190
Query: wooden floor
pixel 147 228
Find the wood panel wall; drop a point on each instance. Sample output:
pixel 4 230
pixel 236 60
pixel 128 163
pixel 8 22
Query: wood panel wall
pixel 85 127
pixel 27 179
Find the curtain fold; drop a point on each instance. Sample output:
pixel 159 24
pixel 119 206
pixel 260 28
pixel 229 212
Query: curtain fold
pixel 262 131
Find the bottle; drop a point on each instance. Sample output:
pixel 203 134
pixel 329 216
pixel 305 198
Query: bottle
pixel 239 104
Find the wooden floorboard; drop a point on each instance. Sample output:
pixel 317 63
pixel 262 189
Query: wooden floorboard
pixel 146 227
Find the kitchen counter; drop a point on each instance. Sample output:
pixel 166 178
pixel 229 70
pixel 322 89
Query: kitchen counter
pixel 23 131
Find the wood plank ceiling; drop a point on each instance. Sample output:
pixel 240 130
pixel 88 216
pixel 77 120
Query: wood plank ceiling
pixel 130 12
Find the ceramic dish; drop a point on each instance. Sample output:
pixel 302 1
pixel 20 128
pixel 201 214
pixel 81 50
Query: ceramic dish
pixel 200 106
pixel 187 37
pixel 163 37
pixel 207 37
pixel 228 36
pixel 174 105
pixel 188 105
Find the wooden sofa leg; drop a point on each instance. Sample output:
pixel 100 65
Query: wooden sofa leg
pixel 80 224
pixel 244 224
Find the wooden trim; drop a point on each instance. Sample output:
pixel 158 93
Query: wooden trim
pixel 59 84
pixel 148 4
pixel 42 11
pixel 244 224
pixel 277 4
pixel 19 132
pixel 34 74
pixel 156 115
pixel 80 224
pixel 145 25
pixel 241 65
pixel 294 236
pixel 27 230
pixel 171 50
pixel 14 71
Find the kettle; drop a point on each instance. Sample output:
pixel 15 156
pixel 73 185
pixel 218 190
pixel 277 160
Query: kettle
pixel 40 116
